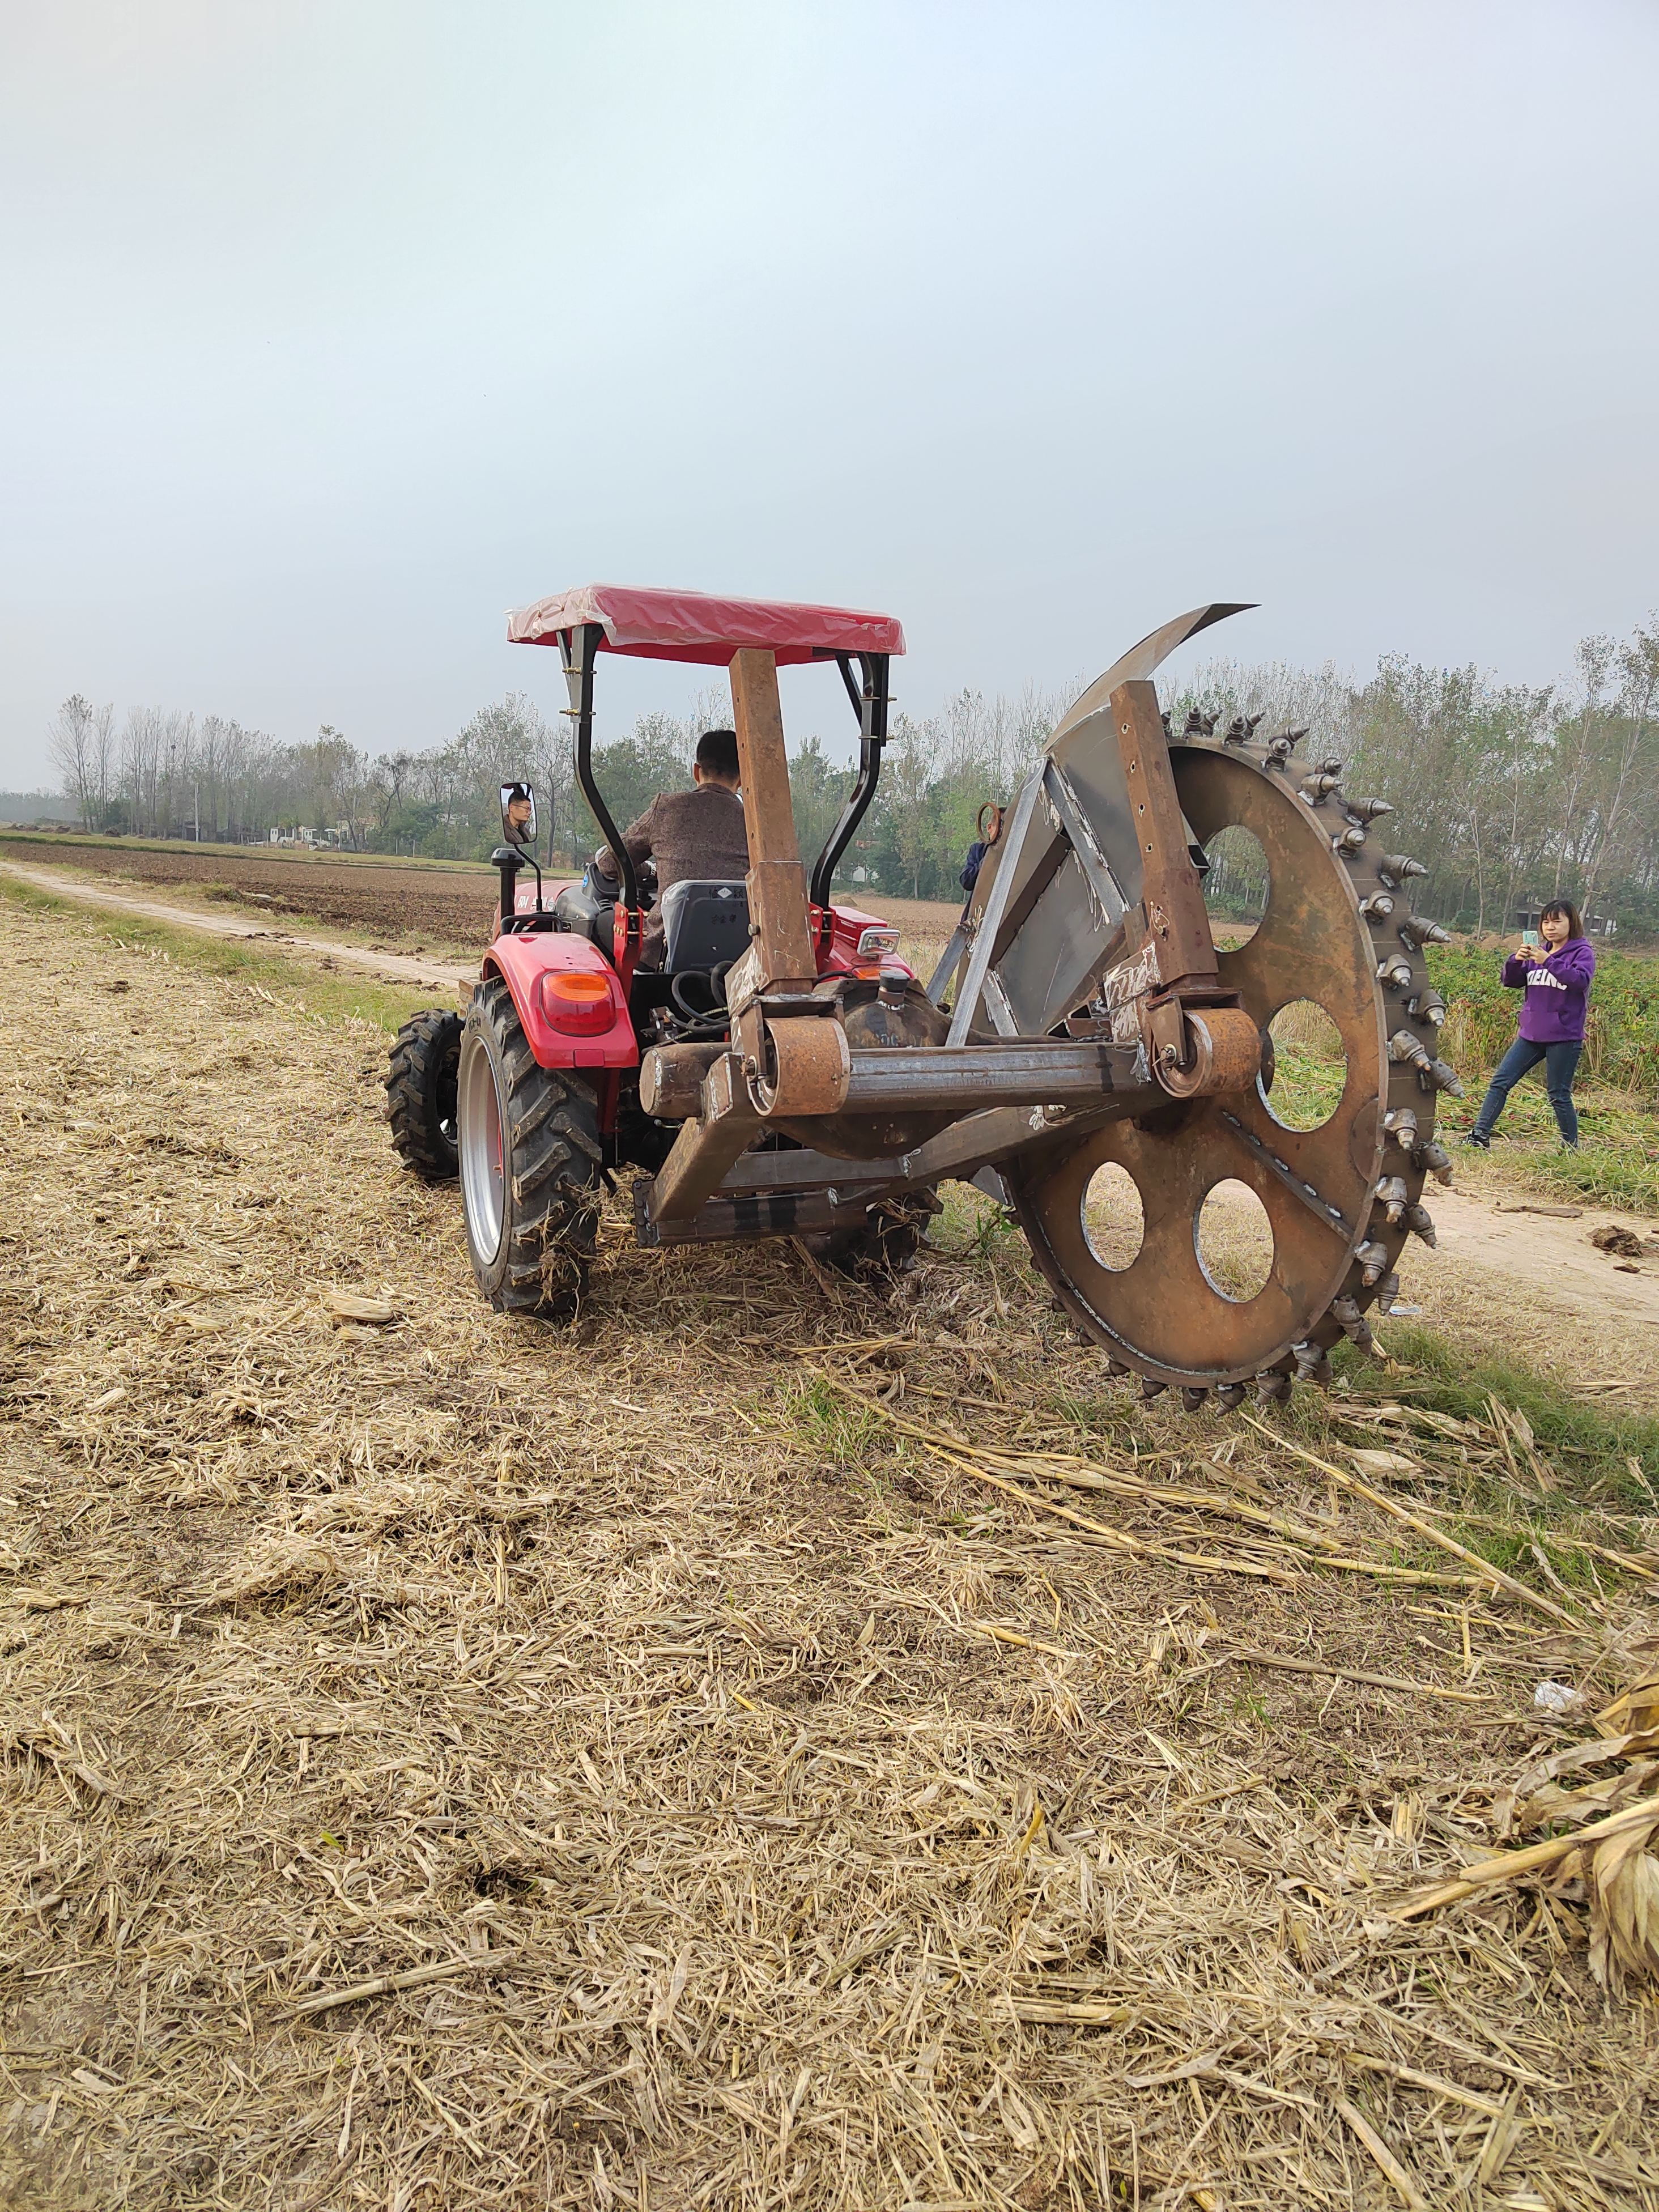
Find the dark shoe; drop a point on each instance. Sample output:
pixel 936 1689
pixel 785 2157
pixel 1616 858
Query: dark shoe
pixel 1479 1139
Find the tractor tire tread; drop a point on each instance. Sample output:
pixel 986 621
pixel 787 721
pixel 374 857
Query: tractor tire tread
pixel 420 1083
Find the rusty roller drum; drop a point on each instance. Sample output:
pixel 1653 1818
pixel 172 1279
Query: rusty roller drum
pixel 1340 1199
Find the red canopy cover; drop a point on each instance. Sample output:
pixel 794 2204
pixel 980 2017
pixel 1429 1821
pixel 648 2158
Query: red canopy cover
pixel 692 626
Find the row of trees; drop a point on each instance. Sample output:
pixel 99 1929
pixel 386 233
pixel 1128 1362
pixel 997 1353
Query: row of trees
pixel 166 774
pixel 1507 793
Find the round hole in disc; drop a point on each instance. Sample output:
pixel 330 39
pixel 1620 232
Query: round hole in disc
pixel 1113 1222
pixel 1310 1067
pixel 1235 889
pixel 1235 1242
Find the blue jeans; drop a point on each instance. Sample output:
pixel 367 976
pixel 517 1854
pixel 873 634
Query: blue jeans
pixel 1560 1064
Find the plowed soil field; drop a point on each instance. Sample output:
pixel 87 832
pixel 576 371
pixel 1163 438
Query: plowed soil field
pixel 438 906
pixel 447 906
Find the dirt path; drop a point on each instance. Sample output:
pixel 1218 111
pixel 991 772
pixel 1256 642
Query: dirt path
pixel 390 967
pixel 1493 1276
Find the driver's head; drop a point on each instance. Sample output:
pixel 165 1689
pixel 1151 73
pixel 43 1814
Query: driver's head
pixel 716 759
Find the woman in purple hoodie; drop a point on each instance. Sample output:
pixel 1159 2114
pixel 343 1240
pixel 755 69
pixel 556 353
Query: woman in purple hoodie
pixel 1556 978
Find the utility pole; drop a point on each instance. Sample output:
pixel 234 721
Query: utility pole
pixel 198 813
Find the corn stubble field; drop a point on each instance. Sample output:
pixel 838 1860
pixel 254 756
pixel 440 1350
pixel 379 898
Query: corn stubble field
pixel 724 1772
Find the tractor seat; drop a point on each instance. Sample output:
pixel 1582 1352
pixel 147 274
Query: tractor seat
pixel 705 924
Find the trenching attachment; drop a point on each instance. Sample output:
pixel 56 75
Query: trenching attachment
pixel 1184 1311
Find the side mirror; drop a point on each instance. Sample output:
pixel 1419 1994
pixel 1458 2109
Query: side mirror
pixel 519 814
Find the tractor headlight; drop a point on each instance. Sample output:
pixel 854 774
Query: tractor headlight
pixel 873 942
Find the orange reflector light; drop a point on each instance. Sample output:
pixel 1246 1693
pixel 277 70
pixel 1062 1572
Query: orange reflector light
pixel 577 1001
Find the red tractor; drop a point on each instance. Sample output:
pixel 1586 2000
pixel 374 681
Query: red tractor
pixel 784 1072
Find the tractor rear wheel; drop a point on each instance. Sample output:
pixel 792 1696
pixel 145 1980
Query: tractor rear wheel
pixel 420 1094
pixel 530 1159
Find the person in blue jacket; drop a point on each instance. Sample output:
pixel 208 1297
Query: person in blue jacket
pixel 1556 978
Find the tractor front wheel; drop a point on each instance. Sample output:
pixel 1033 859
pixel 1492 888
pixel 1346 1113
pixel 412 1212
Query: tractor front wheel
pixel 420 1094
pixel 530 1157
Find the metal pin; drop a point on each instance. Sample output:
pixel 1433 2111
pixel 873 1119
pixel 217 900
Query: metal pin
pixel 1229 1397
pixel 1421 1222
pixel 1374 1259
pixel 1377 908
pixel 1394 973
pixel 1150 1388
pixel 1437 1075
pixel 1427 1006
pixel 1401 866
pixel 1313 1364
pixel 1372 810
pixel 1319 785
pixel 1272 1388
pixel 1193 1396
pixel 1417 929
pixel 1406 1050
pixel 1437 1160
pixel 1394 1197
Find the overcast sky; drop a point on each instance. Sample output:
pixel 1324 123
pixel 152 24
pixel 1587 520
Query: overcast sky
pixel 328 333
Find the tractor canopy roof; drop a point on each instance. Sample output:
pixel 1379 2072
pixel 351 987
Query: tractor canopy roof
pixel 667 625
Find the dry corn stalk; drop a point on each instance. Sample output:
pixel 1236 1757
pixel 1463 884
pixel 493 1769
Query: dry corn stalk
pixel 347 1306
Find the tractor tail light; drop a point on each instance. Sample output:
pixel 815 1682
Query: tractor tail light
pixel 577 1001
pixel 873 942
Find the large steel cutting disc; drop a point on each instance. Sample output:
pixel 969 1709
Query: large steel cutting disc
pixel 1167 1313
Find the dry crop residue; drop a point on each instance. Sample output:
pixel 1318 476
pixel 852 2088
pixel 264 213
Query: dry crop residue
pixel 717 1794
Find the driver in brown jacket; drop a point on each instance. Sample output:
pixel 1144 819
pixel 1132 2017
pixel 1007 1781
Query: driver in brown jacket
pixel 692 836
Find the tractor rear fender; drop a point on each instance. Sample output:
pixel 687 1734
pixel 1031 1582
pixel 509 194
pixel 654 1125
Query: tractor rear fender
pixel 569 1036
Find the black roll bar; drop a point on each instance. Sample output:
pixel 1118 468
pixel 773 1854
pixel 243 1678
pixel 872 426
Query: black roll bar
pixel 869 702
pixel 578 649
